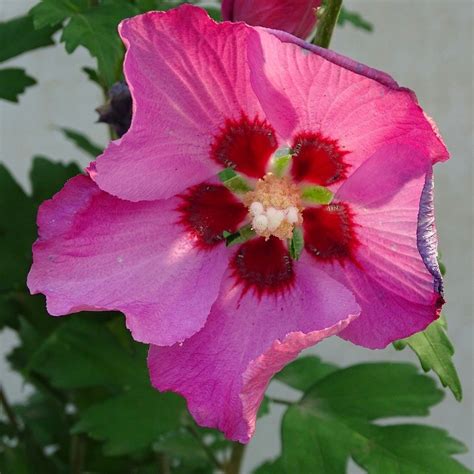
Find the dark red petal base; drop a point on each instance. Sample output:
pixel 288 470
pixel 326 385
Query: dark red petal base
pixel 317 159
pixel 329 232
pixel 245 145
pixel 207 210
pixel 264 266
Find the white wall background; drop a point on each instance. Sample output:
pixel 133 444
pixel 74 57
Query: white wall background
pixel 425 44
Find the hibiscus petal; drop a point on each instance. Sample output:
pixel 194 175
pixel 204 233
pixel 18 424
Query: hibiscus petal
pixel 187 75
pixel 297 17
pixel 393 273
pixel 223 370
pixel 97 252
pixel 358 108
pixel 384 174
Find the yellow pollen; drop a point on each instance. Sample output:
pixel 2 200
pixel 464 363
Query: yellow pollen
pixel 275 207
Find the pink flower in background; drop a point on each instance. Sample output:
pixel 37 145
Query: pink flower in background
pixel 297 17
pixel 144 232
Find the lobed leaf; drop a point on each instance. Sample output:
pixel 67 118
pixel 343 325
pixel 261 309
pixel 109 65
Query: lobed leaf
pixel 13 82
pixel 183 446
pixel 69 363
pixel 333 422
pixel 375 390
pixel 140 416
pixel 435 352
pixel 19 35
pixel 53 12
pixel 48 177
pixel 410 449
pixel 82 142
pixel 356 19
pixel 161 5
pixel 17 232
pixel 93 27
pixel 304 372
pixel 271 467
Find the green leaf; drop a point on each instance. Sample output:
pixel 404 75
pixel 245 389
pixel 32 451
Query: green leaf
pixel 347 16
pixel 159 5
pixel 140 416
pixel 82 142
pixel 9 311
pixel 435 352
pixel 69 363
pixel 15 460
pixel 214 13
pixel 18 36
pixel 92 75
pixel 30 339
pixel 311 443
pixel 48 177
pixel 317 194
pixel 377 390
pixel 233 181
pixel 13 82
pixel 332 422
pixel 26 457
pixel 264 407
pixel 93 27
pixel 408 449
pixel 442 266
pixel 271 467
pixel 296 244
pixel 96 30
pixel 304 372
pixel 242 235
pixel 53 12
pixel 45 418
pixel 17 232
pixel 183 446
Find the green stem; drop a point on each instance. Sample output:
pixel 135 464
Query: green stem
pixel 9 411
pixel 163 463
pixel 77 454
pixel 280 401
pixel 236 458
pixel 327 22
pixel 205 447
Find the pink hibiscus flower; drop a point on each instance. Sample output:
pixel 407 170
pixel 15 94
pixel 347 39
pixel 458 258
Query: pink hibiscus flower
pixel 297 17
pixel 144 233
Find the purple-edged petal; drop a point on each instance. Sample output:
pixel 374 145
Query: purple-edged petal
pixel 223 370
pixel 187 75
pixel 393 272
pixel 355 107
pixel 97 252
pixel 426 236
pixel 297 17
